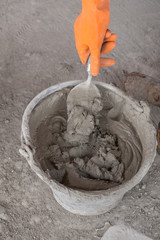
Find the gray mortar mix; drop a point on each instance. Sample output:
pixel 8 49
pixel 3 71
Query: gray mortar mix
pixel 84 155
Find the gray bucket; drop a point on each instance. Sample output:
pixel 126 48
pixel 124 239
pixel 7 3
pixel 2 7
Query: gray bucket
pixel 82 202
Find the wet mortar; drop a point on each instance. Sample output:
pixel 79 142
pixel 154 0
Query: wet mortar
pixel 104 161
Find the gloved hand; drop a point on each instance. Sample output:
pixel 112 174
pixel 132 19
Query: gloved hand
pixel 92 36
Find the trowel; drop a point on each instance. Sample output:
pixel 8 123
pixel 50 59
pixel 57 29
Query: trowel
pixel 85 94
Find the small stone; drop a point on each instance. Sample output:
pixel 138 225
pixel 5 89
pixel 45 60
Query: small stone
pixel 6 121
pixel 24 203
pixel 4 216
pixel 144 186
pixel 34 220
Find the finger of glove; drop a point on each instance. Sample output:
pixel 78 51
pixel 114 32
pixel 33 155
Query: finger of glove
pixel 112 38
pixel 106 62
pixel 95 62
pixel 107 47
pixel 83 52
pixel 108 33
pixel 102 5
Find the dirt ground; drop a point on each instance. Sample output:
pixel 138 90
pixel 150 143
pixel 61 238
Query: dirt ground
pixel 37 50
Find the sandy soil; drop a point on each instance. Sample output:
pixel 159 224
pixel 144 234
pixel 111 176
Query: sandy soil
pixel 37 50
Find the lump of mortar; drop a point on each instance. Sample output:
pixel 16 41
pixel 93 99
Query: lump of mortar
pixel 117 172
pixel 54 149
pixel 107 140
pixel 74 180
pixel 92 170
pixel 107 160
pixel 55 152
pixel 104 166
pixel 79 126
pixel 106 143
pixel 79 151
pixel 93 105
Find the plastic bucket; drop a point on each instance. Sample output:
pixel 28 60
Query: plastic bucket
pixel 80 201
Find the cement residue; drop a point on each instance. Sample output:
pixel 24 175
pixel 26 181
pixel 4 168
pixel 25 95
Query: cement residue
pixel 91 164
pixel 83 151
pixel 80 125
pixel 84 154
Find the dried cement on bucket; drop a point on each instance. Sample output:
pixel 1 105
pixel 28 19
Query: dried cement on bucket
pixel 81 151
pixel 122 129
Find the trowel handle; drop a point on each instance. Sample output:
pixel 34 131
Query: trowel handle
pixel 88 65
pixel 88 70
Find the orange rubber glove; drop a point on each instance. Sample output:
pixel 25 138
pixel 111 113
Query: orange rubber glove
pixel 92 35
